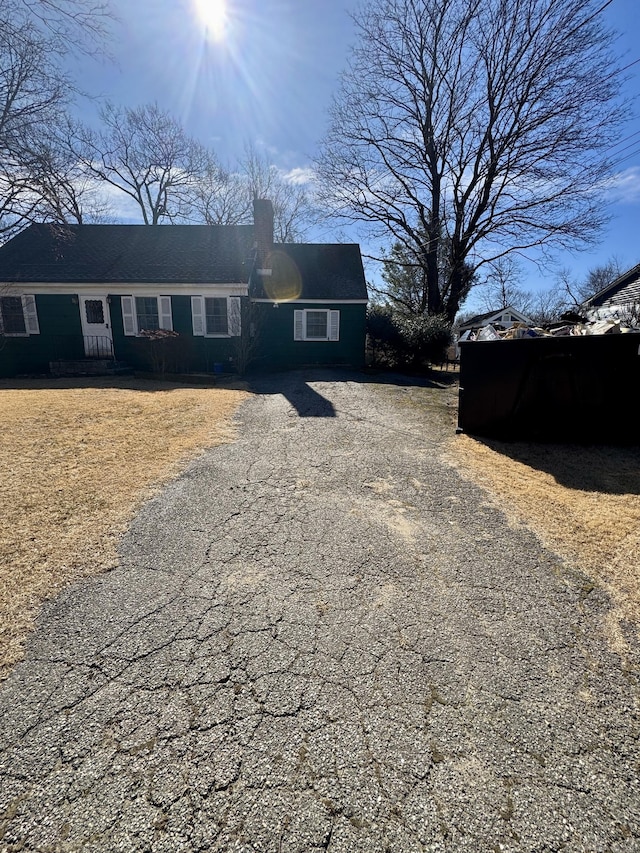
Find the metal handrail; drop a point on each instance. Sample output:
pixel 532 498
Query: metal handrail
pixel 98 346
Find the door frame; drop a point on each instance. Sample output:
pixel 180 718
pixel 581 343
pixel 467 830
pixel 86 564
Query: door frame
pixel 97 337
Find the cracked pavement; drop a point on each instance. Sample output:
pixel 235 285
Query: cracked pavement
pixel 321 638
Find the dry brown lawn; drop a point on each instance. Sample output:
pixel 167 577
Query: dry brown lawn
pixel 77 459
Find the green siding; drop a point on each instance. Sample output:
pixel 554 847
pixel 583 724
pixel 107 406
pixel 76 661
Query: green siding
pixel 277 350
pixel 273 347
pixel 60 338
pixel 184 354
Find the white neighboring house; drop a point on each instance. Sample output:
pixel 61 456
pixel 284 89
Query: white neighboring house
pixel 503 318
pixel 619 300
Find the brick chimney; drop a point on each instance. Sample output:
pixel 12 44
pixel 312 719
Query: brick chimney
pixel 263 229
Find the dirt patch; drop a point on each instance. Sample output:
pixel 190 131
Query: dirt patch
pixel 78 458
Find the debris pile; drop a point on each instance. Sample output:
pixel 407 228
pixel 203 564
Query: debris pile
pixel 563 329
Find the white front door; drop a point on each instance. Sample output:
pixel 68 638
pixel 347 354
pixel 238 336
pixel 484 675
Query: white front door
pixel 96 326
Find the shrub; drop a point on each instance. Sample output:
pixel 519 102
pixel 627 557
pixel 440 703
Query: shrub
pixel 406 340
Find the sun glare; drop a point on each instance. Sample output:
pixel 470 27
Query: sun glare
pixel 213 14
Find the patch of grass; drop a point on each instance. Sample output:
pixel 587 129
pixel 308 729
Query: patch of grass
pixel 433 397
pixel 78 458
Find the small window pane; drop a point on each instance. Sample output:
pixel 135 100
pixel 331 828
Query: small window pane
pixel 94 311
pixel 216 316
pixel 12 315
pixel 317 324
pixel 147 313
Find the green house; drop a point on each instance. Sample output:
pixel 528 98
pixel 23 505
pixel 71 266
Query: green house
pixel 178 299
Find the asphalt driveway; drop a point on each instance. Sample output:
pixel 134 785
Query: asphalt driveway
pixel 321 638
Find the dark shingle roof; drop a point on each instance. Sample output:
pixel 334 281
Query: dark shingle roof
pixel 129 253
pixel 624 290
pixel 331 271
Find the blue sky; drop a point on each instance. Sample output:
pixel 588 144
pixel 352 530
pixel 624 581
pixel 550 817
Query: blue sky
pixel 269 81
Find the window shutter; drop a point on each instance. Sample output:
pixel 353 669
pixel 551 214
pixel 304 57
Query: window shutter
pixel 197 315
pixel 128 315
pixel 298 325
pixel 166 321
pixel 30 315
pixel 234 316
pixel 334 325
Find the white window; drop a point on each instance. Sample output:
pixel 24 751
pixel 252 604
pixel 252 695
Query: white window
pixel 216 316
pixel 18 316
pixel 146 313
pixel 313 324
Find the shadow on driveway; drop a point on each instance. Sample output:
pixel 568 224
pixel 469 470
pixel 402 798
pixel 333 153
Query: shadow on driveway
pixel 295 388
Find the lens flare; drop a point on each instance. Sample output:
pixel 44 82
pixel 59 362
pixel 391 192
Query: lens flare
pixel 285 282
pixel 213 15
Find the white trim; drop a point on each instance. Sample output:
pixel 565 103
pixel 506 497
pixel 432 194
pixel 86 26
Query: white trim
pixel 129 312
pixel 30 312
pixel 300 325
pixel 234 315
pixel 197 316
pixel 165 315
pixel 96 333
pixel 170 288
pixel 314 301
pixel 506 317
pixel 334 325
pixel 204 318
pixel 129 319
pixel 29 315
pixel 126 288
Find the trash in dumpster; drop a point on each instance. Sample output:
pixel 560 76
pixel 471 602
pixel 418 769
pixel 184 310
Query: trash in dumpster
pixel 520 330
pixel 487 333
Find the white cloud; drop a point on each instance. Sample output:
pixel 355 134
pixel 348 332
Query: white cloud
pixel 624 187
pixel 117 206
pixel 300 175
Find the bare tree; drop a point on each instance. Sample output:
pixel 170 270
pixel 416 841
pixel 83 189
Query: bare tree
pixel 546 306
pixel 501 287
pixel 568 285
pixel 63 191
pixel 35 35
pixel 32 91
pixel 32 87
pixel 221 197
pixel 146 154
pixel 293 211
pixel 598 278
pixel 73 25
pixel 575 291
pixel 224 196
pixel 247 342
pixel 481 122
